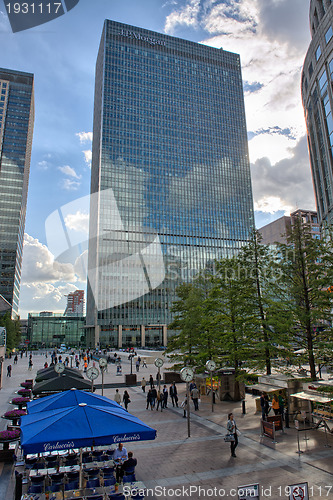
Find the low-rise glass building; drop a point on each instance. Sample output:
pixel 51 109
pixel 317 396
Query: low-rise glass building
pixel 47 329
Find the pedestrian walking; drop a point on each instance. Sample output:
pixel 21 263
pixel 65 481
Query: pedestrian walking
pixel 126 399
pixel 158 378
pixel 9 370
pixel 151 381
pixel 15 359
pixel 195 398
pixel 232 428
pixel 137 365
pixel 165 397
pixel 159 398
pixel 149 400
pixel 267 407
pixel 154 395
pixel 173 394
pixel 143 384
pixel 117 397
pixel 30 365
pixel 144 363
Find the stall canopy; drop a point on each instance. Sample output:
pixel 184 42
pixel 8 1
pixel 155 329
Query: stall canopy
pixel 60 383
pixel 72 397
pixel 47 373
pixel 316 398
pixel 80 426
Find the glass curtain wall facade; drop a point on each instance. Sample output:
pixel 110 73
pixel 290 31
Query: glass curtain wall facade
pixel 317 95
pixel 52 329
pixel 170 177
pixel 16 128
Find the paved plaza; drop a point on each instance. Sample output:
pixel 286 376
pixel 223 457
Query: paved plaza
pixel 201 466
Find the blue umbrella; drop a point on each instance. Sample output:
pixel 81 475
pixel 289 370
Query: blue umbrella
pixel 72 397
pixel 80 426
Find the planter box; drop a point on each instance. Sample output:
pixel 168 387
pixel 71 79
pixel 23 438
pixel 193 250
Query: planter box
pixel 7 456
pixel 130 379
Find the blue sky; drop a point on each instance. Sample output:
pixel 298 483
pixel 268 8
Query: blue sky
pixel 271 36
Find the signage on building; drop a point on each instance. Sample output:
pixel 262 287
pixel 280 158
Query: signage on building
pixel 3 336
pixel 144 38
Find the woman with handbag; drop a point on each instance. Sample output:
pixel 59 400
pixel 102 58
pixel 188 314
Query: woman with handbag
pixel 126 399
pixel 232 429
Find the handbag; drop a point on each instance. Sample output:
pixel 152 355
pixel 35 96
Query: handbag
pixel 229 438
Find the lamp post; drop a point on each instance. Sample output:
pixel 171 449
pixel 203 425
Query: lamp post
pixel 186 375
pixel 159 363
pixel 211 366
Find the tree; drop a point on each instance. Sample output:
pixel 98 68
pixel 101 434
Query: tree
pixel 260 275
pixel 305 280
pixel 13 330
pixel 183 347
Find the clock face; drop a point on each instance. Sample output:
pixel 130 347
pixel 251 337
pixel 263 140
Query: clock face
pixel 92 373
pixel 102 362
pixel 186 374
pixel 159 362
pixel 211 365
pixel 59 367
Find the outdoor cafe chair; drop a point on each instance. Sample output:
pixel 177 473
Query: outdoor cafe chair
pixel 93 483
pixel 109 481
pixel 87 459
pixel 73 474
pixel 55 487
pixel 30 462
pixel 104 458
pixel 38 466
pixel 108 471
pixel 130 478
pixel 72 485
pixel 51 459
pixel 58 476
pixel 36 488
pixel 97 453
pixel 70 462
pixel 95 497
pixel 37 479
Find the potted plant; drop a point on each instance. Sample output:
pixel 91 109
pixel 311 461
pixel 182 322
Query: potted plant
pixel 14 415
pixel 7 437
pixel 20 402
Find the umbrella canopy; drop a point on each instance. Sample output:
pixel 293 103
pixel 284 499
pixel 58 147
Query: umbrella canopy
pixel 69 398
pixel 60 383
pixel 80 426
pixel 47 373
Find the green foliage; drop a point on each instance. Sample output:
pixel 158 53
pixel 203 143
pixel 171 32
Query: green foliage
pixel 13 330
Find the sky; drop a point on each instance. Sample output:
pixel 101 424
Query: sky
pixel 271 36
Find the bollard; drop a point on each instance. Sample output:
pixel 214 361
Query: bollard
pixel 243 407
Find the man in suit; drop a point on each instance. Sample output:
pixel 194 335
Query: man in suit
pixel 173 394
pixel 128 467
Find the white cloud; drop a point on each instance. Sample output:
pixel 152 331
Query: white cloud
pixel 187 15
pixel 270 146
pixel 67 170
pixel 286 185
pixel 271 55
pixel 85 136
pixel 43 165
pixel 70 185
pixel 88 156
pixel 45 282
pixel 78 222
pixel 39 264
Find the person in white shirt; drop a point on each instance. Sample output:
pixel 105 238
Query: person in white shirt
pixel 117 397
pixel 120 453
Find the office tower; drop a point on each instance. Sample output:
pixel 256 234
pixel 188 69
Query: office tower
pixel 16 128
pixel 317 98
pixel 75 302
pixel 170 179
pixel 276 231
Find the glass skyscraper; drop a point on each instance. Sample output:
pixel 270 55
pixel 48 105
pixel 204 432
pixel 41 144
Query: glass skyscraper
pixel 170 179
pixel 317 95
pixel 16 128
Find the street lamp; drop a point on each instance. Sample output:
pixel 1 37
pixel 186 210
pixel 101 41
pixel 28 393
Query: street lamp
pixel 211 367
pixel 186 374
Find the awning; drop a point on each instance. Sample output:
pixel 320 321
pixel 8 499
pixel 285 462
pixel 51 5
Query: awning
pixel 316 398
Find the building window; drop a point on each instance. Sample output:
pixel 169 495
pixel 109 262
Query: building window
pixel 328 34
pixel 310 70
pixel 318 53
